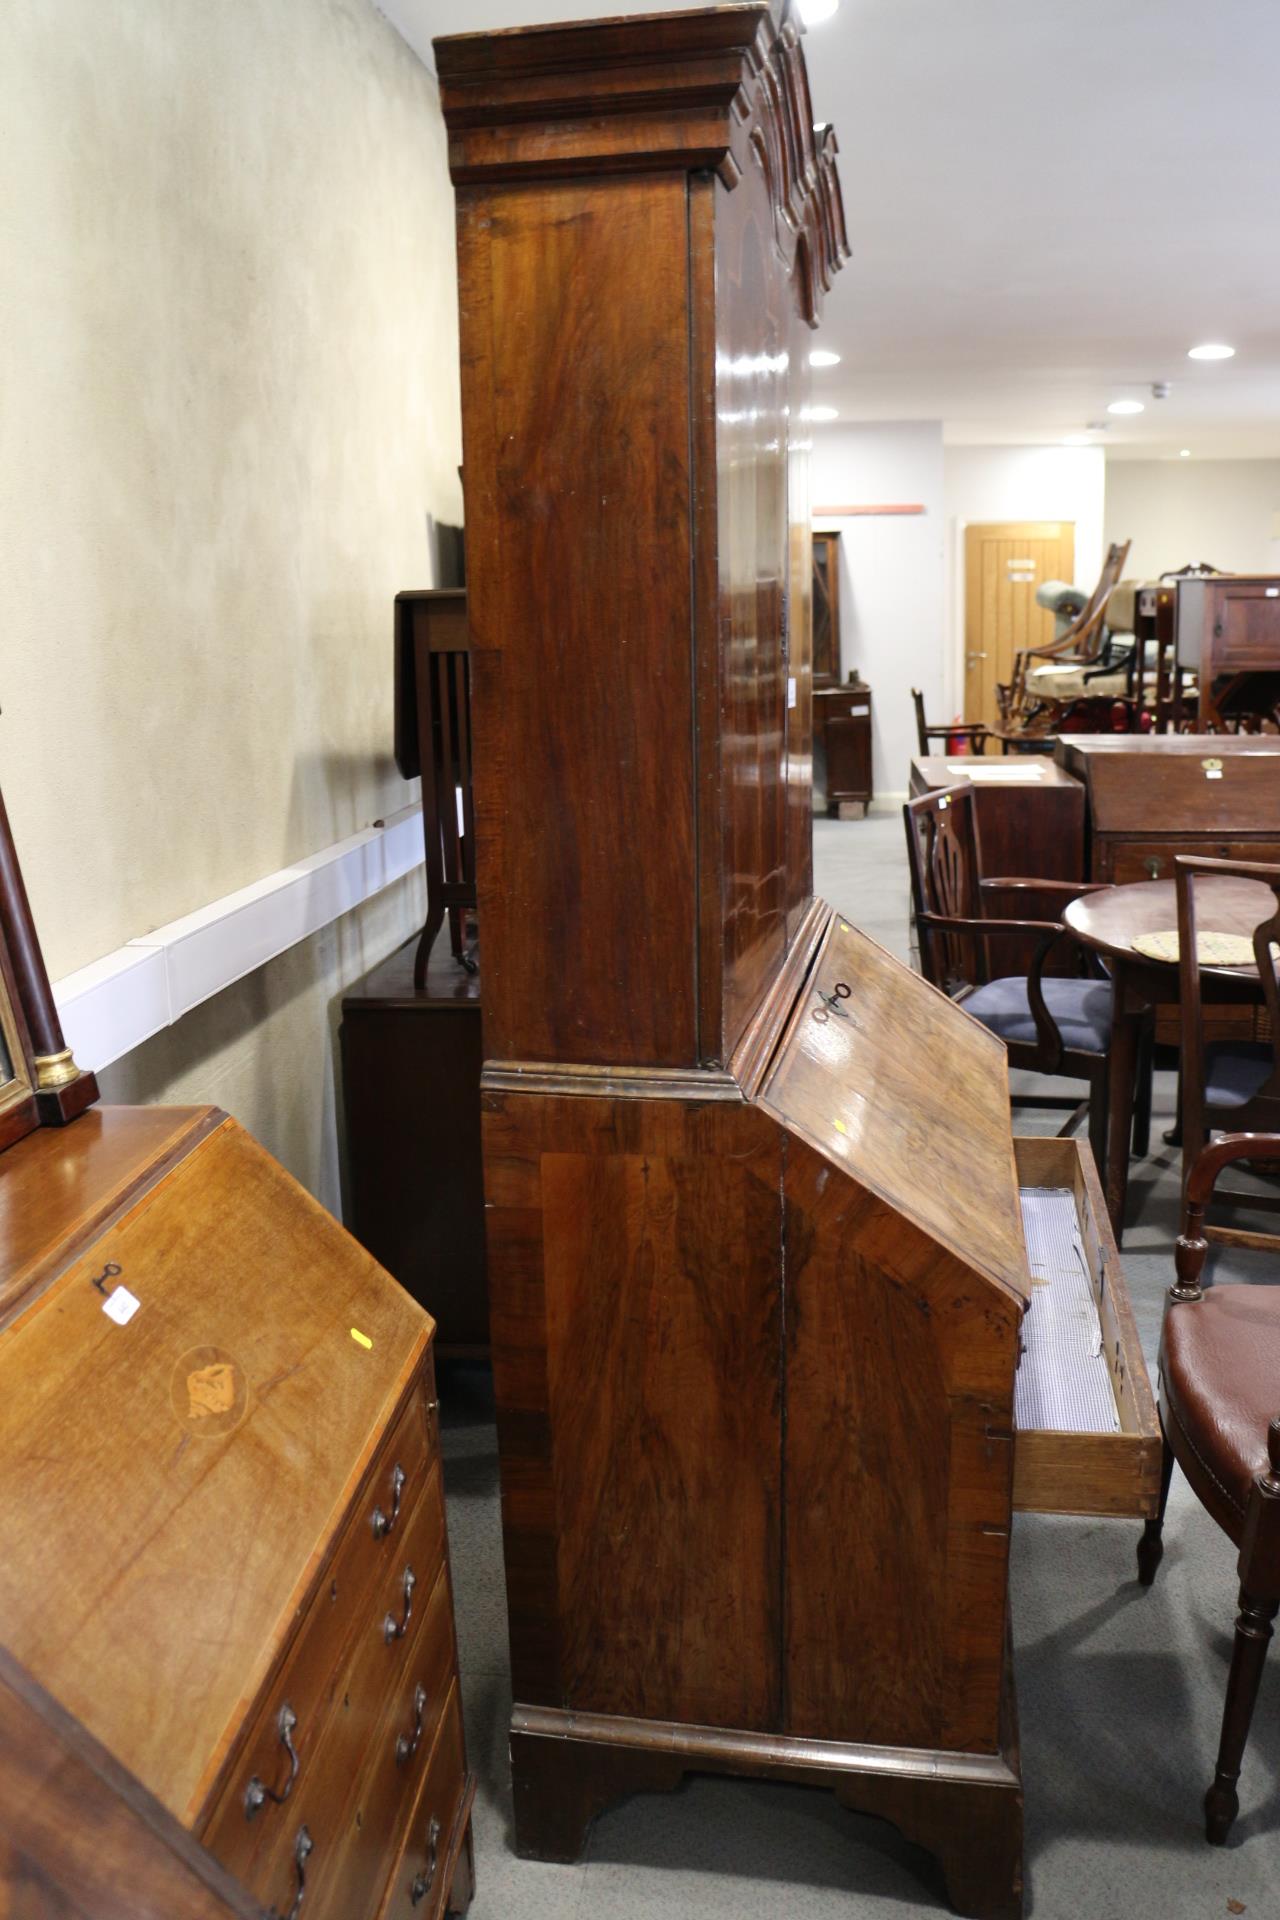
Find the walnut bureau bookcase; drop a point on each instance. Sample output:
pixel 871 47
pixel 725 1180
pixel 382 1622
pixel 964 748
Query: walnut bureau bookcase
pixel 757 1268
pixel 226 1617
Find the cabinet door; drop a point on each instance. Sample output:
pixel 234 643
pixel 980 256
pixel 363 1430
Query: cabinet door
pixel 826 607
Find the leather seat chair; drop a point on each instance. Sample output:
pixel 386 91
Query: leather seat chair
pixel 1220 1416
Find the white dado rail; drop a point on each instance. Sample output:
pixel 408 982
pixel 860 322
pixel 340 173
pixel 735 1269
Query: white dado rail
pixel 113 1005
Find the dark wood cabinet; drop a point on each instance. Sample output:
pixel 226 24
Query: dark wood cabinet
pixel 411 1101
pixel 1227 629
pixel 757 1272
pixel 842 732
pixel 826 609
pixel 1029 811
pixel 1151 798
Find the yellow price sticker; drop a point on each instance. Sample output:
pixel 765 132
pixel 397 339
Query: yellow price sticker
pixel 361 1339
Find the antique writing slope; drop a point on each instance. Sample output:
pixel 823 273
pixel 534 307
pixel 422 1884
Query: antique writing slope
pixel 757 1270
pixel 226 1625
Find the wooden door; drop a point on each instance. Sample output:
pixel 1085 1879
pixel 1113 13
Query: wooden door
pixel 1004 563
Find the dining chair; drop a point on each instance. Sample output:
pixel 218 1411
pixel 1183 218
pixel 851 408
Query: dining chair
pixel 1055 1025
pixel 1220 1418
pixel 1230 1084
pixel 973 732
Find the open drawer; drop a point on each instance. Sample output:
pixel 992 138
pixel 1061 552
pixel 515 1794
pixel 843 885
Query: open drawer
pixel 1088 1436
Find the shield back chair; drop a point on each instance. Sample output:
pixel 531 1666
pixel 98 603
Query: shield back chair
pixel 1234 1084
pixel 971 731
pixel 1220 1417
pixel 1080 646
pixel 1053 1025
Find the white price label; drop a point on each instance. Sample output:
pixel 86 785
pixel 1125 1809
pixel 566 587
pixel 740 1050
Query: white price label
pixel 120 1305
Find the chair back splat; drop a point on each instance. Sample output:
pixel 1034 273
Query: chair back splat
pixel 942 844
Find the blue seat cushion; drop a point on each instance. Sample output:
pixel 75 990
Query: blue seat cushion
pixel 1081 1008
pixel 1233 1074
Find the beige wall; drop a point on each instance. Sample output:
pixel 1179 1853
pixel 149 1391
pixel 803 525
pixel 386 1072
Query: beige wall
pixel 228 405
pixel 1179 512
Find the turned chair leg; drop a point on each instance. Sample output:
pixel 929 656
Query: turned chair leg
pixel 1253 1632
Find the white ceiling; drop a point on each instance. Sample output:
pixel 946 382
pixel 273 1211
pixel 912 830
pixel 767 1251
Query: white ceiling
pixel 1048 201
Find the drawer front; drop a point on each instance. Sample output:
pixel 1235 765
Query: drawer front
pixel 334 1688
pixel 374 1820
pixel 1088 1472
pixel 1124 861
pixel 420 1882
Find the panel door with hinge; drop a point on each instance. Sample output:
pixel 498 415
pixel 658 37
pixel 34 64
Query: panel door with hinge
pixel 1004 564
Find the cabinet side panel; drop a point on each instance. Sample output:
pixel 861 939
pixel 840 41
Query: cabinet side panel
pixel 753 330
pixel 636 1330
pixel 575 361
pixel 898 1475
pixel 800 650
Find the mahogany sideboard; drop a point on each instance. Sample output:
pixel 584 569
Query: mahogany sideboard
pixel 757 1294
pixel 222 1536
pixel 411 1103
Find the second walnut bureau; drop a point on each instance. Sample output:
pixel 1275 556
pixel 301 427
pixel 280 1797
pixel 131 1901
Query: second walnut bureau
pixel 222 1533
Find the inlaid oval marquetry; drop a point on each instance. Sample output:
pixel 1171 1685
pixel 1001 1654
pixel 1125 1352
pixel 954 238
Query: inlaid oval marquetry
pixel 209 1392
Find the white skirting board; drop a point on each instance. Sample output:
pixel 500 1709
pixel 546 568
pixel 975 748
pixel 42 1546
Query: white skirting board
pixel 116 1003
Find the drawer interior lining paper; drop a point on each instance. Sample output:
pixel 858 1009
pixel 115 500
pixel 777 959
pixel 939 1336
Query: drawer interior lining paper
pixel 1063 1384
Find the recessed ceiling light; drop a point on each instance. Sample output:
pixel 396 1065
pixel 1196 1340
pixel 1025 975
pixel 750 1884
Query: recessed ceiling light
pixel 823 357
pixel 1212 350
pixel 814 12
pixel 1125 406
pixel 822 413
pixel 1184 453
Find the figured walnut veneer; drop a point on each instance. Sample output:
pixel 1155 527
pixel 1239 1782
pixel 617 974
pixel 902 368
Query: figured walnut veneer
pixel 755 1259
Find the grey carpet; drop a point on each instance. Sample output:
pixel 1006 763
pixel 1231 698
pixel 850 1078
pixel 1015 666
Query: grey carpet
pixel 1120 1691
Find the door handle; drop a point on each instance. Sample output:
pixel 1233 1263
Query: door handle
pixel 972 657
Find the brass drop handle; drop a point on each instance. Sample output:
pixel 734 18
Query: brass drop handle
pixel 391 1628
pixel 1153 866
pixel 257 1793
pixel 302 1848
pixel 422 1881
pixel 407 1744
pixel 383 1523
